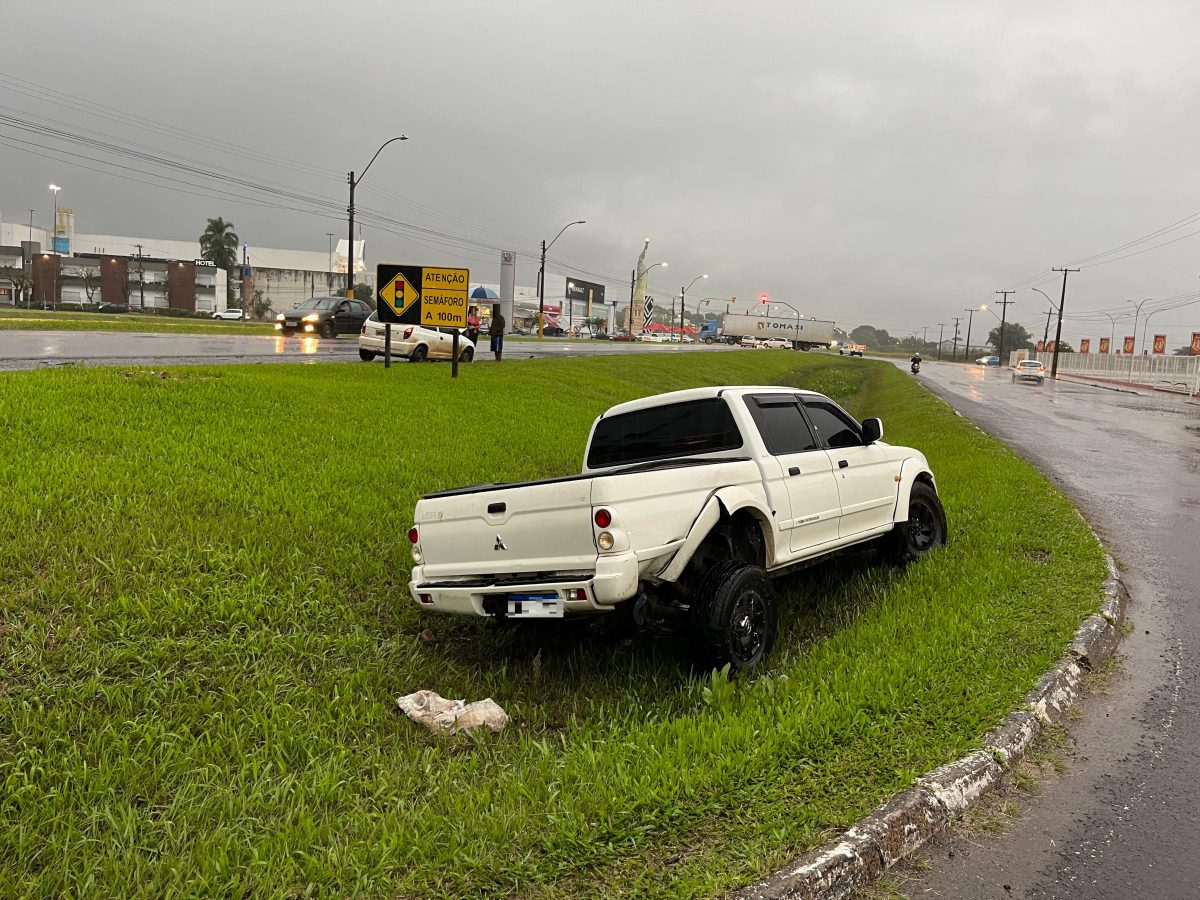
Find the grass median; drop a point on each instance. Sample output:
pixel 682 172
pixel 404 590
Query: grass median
pixel 67 320
pixel 204 626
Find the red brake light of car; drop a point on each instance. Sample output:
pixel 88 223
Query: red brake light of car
pixel 407 333
pixel 413 535
pixel 603 518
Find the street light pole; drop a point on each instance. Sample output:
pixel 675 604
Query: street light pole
pixel 941 328
pixel 1049 312
pixel 54 189
pixel 354 182
pixel 1112 334
pixel 682 300
pixel 542 278
pixel 1133 355
pixel 329 234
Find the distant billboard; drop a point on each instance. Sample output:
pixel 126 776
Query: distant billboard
pixel 584 292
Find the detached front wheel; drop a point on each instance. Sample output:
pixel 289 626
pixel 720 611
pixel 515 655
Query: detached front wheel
pixel 735 616
pixel 924 531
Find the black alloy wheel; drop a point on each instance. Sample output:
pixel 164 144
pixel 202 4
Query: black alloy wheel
pixel 735 616
pixel 327 329
pixel 420 353
pixel 923 532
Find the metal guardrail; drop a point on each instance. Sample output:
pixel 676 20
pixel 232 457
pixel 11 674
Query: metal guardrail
pixel 1167 373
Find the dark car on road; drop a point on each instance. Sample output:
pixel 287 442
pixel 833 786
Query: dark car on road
pixel 326 316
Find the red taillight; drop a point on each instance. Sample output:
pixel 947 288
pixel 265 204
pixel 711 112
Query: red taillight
pixel 603 518
pixel 407 333
pixel 412 535
pixel 426 598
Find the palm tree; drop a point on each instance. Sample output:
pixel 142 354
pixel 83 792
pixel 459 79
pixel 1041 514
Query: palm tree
pixel 219 243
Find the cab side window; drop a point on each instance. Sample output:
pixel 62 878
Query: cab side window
pixel 781 424
pixel 837 429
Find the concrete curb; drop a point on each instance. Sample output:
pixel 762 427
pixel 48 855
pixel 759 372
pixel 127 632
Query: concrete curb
pixel 908 820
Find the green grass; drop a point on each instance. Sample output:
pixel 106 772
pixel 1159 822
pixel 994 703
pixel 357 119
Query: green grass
pixel 66 320
pixel 204 626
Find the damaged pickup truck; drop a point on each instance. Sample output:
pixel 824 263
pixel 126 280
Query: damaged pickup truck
pixel 688 505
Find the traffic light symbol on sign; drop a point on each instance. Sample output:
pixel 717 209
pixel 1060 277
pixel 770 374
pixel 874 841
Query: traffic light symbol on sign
pixel 399 294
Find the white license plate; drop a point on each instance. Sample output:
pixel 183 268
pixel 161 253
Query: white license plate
pixel 535 606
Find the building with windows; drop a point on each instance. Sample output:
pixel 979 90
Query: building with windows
pixel 160 273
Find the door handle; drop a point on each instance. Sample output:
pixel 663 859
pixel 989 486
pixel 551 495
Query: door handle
pixel 794 470
pixel 842 463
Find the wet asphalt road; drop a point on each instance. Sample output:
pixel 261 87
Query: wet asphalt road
pixel 1124 821
pixel 37 349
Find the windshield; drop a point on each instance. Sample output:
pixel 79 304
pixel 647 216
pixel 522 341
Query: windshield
pixel 1031 364
pixel 319 303
pixel 663 432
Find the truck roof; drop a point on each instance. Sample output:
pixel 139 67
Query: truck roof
pixel 703 393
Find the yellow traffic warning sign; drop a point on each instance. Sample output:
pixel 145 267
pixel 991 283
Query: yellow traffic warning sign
pixel 439 301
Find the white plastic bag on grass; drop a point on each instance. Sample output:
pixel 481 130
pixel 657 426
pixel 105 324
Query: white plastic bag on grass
pixel 444 716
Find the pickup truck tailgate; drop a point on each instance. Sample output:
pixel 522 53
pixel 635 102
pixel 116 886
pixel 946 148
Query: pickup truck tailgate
pixel 539 526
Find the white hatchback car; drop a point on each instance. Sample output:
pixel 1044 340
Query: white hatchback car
pixel 412 342
pixel 775 343
pixel 228 314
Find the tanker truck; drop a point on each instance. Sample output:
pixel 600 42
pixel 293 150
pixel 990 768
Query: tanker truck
pixel 805 334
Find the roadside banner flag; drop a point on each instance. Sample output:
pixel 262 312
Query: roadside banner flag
pixel 1105 345
pixel 1041 345
pixel 1050 346
pixel 1160 343
pixel 1196 343
pixel 1085 345
pixel 1129 342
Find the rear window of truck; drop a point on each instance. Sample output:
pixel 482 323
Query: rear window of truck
pixel 663 432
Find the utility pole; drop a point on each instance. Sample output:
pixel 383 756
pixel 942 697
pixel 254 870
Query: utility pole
pixel 542 294
pixel 954 350
pixel 141 280
pixel 970 320
pixel 941 328
pixel 1062 301
pixel 632 285
pixel 329 234
pixel 1003 315
pixel 31 226
pixel 1046 331
pixel 924 345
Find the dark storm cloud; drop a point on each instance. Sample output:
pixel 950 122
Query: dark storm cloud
pixel 889 163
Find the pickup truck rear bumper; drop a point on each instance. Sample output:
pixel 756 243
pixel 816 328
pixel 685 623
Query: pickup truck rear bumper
pixel 614 579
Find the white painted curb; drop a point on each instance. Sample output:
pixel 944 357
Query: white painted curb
pixel 907 821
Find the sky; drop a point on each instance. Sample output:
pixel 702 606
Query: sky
pixel 891 164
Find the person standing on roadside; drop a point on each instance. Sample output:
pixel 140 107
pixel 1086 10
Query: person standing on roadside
pixel 496 332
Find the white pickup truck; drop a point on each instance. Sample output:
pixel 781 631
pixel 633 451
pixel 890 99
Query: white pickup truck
pixel 687 504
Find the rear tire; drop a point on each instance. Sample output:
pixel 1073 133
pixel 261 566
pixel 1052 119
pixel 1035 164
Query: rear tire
pixel 924 530
pixel 467 355
pixel 420 353
pixel 734 616
pixel 366 355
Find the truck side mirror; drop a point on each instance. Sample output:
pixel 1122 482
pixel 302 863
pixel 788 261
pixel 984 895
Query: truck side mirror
pixel 872 430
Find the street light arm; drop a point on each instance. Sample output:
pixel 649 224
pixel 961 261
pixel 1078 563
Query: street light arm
pixel 693 281
pixel 1047 296
pixel 402 137
pixel 561 230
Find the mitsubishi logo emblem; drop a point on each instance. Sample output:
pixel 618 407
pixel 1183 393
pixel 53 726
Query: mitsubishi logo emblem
pixel 500 545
